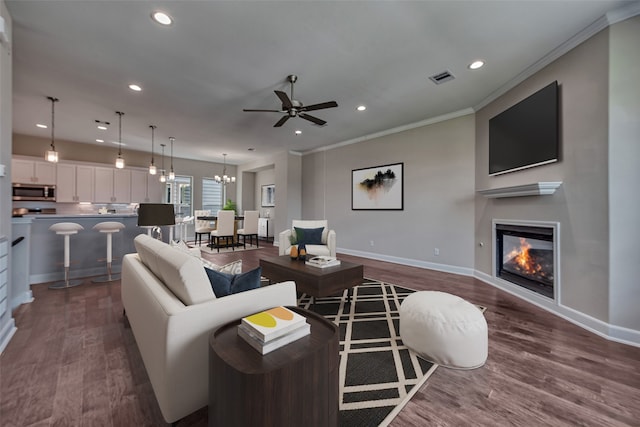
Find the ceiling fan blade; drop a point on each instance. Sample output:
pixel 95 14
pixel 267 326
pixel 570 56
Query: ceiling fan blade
pixel 286 102
pixel 315 120
pixel 321 106
pixel 269 111
pixel 281 121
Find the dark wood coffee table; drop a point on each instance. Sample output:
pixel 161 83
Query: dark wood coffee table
pixel 317 282
pixel 294 385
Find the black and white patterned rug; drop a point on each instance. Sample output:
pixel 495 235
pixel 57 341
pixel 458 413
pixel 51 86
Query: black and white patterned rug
pixel 378 374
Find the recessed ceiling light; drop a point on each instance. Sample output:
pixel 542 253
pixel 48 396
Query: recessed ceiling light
pixel 99 140
pixel 361 108
pixel 102 127
pixel 41 126
pixel 161 18
pixel 298 132
pixel 135 87
pixel 476 64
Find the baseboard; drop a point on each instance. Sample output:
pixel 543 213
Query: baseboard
pixel 74 274
pixel 23 298
pixel 585 321
pixel 464 271
pixel 7 333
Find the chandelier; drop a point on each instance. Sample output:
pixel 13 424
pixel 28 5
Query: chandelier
pixel 224 179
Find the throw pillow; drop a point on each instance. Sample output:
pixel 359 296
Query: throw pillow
pixel 234 267
pixel 224 284
pixel 309 236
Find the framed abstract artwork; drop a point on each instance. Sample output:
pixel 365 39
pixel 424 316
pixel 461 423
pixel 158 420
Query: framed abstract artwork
pixel 268 196
pixel 378 188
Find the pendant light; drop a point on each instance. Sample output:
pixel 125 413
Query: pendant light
pixel 163 177
pixel 224 179
pixel 152 167
pixel 172 175
pixel 52 155
pixel 119 160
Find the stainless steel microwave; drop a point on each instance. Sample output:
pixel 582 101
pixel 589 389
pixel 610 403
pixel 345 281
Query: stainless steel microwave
pixel 34 192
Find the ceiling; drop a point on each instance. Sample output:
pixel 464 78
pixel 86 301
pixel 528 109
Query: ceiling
pixel 219 57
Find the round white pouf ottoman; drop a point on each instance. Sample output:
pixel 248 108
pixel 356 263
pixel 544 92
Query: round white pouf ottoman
pixel 444 329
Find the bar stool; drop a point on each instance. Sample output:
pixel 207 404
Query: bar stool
pixel 66 229
pixel 108 227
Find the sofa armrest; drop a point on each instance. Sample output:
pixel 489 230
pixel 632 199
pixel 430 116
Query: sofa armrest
pixel 284 242
pixel 331 242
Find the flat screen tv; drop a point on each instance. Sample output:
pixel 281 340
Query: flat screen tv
pixel 526 134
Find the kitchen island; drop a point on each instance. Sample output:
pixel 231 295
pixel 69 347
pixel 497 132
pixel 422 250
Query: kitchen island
pixel 46 248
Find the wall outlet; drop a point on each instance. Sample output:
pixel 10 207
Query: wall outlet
pixel 436 251
pixel 370 242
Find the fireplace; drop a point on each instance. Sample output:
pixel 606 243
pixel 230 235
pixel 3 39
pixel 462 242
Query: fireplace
pixel 526 255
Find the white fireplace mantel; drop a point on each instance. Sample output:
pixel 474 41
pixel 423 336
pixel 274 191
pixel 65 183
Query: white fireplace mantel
pixel 534 189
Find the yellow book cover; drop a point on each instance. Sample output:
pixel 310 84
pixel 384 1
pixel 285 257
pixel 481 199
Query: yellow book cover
pixel 272 323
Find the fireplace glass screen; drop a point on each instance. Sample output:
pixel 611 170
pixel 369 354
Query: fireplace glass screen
pixel 526 258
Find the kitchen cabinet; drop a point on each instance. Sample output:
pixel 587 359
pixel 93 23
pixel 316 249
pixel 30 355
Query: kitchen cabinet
pixel 145 188
pixel 112 185
pixel 74 183
pixel 26 171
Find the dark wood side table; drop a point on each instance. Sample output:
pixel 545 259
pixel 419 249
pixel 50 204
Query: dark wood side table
pixel 295 385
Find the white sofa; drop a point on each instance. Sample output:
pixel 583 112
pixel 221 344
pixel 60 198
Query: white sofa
pixel 172 310
pixel 328 246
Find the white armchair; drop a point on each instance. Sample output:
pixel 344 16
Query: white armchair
pixel 328 246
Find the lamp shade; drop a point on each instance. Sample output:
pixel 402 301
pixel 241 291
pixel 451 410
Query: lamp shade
pixel 152 214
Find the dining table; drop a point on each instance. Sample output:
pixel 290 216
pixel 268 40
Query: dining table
pixel 215 218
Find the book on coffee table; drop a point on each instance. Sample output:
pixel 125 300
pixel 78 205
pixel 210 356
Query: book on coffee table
pixel 267 347
pixel 322 261
pixel 273 323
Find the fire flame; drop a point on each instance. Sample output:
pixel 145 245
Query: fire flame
pixel 521 257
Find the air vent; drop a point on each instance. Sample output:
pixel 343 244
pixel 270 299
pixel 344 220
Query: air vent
pixel 442 77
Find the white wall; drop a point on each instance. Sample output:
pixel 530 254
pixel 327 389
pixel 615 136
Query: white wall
pixel 438 195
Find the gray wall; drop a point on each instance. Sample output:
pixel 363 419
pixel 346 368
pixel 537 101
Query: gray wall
pixel 624 174
pixel 598 202
pixel 438 195
pixel 7 327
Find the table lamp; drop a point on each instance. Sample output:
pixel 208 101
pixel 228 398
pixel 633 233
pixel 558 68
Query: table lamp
pixel 155 215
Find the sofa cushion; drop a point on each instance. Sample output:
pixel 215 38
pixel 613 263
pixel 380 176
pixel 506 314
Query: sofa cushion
pixel 224 284
pixel 180 272
pixel 234 267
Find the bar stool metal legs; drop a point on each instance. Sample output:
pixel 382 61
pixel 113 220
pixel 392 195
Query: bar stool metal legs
pixel 108 227
pixel 66 229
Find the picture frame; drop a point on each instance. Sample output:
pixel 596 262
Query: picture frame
pixel 268 196
pixel 378 188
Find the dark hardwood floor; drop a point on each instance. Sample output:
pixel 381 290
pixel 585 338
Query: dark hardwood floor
pixel 72 362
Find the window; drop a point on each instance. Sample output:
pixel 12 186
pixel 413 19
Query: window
pixel 211 195
pixel 179 194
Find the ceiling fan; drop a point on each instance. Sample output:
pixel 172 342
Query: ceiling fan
pixel 295 108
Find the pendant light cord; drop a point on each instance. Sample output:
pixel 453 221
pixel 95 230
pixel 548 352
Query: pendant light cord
pixel 53 117
pixel 153 128
pixel 172 139
pixel 120 114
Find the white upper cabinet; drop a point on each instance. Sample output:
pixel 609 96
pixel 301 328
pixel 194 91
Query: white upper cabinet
pixel 26 171
pixel 74 183
pixel 145 188
pixel 112 185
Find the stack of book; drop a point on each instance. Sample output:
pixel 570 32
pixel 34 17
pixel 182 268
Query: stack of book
pixel 273 328
pixel 322 261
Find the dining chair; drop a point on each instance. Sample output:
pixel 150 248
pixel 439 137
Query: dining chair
pixel 202 226
pixel 225 229
pixel 249 228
